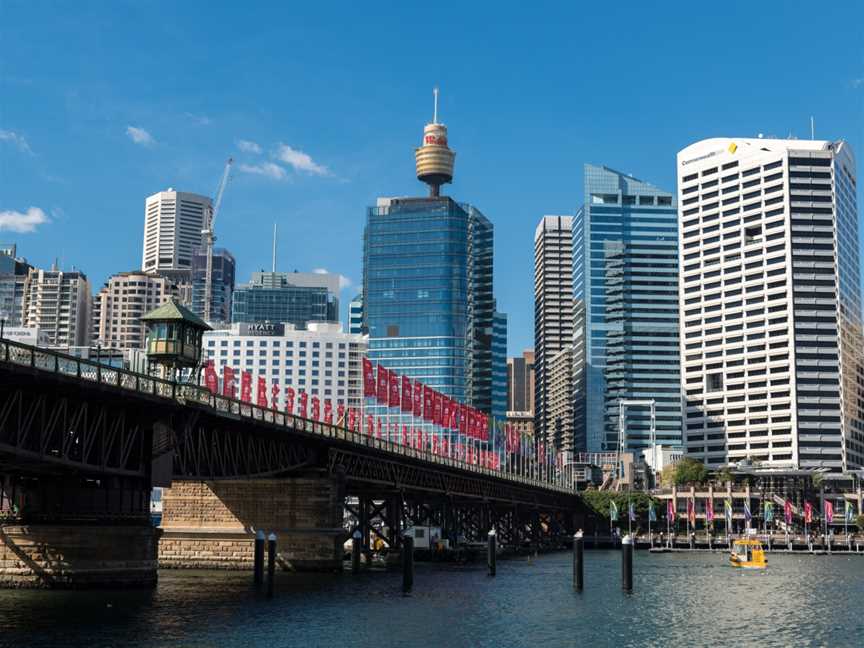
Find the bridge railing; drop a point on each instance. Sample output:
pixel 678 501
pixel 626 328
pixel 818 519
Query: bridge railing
pixel 88 370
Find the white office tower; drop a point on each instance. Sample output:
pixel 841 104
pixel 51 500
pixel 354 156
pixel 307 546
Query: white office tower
pixel 553 321
pixel 173 221
pixel 771 340
pixel 119 305
pixel 58 304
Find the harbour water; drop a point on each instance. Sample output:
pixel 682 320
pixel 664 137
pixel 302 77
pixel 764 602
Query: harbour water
pixel 678 600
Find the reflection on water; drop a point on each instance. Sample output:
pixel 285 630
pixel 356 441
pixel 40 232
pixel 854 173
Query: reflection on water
pixel 678 600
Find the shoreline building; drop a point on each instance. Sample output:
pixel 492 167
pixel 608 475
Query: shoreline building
pixel 58 304
pixel 120 304
pixel 293 297
pixel 553 318
pixel 770 303
pixel 320 360
pixel 428 300
pixel 625 283
pixel 520 392
pixel 13 279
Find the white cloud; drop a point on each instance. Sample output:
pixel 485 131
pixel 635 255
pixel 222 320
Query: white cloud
pixel 17 140
pixel 344 282
pixel 201 120
pixel 22 222
pixel 248 146
pixel 267 169
pixel 299 161
pixel 140 136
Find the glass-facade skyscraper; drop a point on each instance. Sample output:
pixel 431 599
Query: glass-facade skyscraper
pixel 428 303
pixel 293 297
pixel 625 268
pixel 221 285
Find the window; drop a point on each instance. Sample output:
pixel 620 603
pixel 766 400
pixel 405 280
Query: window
pixel 714 382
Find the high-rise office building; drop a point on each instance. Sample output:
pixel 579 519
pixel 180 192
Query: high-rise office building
pixel 355 315
pixel 221 285
pixel 13 277
pixel 770 303
pixel 293 297
pixel 520 382
pixel 58 304
pixel 119 305
pixel 173 221
pixel 428 301
pixel 625 268
pixel 559 398
pixel 553 314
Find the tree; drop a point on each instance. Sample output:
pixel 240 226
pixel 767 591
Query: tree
pixel 689 471
pixel 724 475
pixel 859 521
pixel 667 475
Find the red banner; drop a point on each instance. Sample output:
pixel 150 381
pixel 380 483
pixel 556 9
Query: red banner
pixel 228 382
pixel 437 407
pixel 383 384
pixel 378 428
pixel 445 411
pixel 316 408
pixel 328 411
pixel 368 379
pixel 304 400
pixel 261 392
pixel 351 418
pixel 394 390
pixel 246 387
pixel 404 435
pixel 428 404
pixel 274 391
pixel 210 378
pixel 289 400
pixel 407 403
pixel 340 415
pixel 370 427
pixel 417 397
pixel 463 419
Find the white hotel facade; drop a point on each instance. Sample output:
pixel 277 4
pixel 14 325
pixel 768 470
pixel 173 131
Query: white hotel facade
pixel 320 360
pixel 770 303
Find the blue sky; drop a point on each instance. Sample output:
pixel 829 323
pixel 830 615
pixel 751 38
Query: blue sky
pixel 104 103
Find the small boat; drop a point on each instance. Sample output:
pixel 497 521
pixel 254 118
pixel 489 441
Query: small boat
pixel 748 554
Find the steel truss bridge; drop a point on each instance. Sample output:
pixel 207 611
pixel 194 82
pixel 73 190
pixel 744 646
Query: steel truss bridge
pixel 106 435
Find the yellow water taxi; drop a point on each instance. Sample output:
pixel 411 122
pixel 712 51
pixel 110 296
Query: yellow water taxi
pixel 748 554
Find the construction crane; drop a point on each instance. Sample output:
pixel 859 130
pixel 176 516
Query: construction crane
pixel 209 237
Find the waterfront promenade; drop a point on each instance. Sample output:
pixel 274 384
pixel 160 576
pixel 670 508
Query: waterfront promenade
pixel 679 600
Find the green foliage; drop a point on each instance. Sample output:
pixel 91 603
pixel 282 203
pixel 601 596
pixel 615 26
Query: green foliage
pixel 859 521
pixel 598 501
pixel 817 479
pixel 724 475
pixel 689 471
pixel 667 475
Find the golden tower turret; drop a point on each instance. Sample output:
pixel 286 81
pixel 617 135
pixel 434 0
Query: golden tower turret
pixel 434 158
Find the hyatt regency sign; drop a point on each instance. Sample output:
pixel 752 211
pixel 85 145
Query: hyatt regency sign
pixel 262 329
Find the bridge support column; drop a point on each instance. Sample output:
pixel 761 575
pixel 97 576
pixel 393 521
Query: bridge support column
pixel 58 532
pixel 212 525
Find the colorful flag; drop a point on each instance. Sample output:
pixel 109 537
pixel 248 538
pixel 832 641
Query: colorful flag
pixel 395 401
pixel 829 511
pixel 246 386
pixel 437 405
pixel 445 411
pixel 316 408
pixel 769 511
pixel 368 379
pixel 352 418
pixel 370 425
pixel 652 512
pixel 691 512
pixel 787 511
pixel 340 414
pixel 261 392
pixel 631 511
pixel 670 510
pixel 747 514
pixel 613 511
pixel 404 435
pixel 808 512
pixel 328 411
pixel 709 510
pixel 407 404
pixel 849 512
pixel 727 511
pixel 289 400
pixel 383 385
pixel 274 393
pixel 428 412
pixel 228 382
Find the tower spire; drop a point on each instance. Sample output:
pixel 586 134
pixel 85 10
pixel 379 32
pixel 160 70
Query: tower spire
pixel 435 112
pixel 434 159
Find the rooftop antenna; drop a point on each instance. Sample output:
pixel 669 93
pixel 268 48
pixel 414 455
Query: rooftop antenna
pixel 812 128
pixel 435 112
pixel 274 248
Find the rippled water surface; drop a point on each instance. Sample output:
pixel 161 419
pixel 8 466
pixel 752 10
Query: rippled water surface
pixel 678 600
